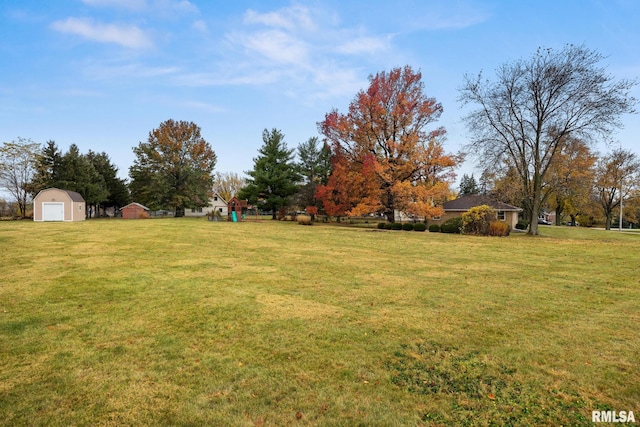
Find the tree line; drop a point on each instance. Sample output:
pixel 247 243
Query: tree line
pixel 26 168
pixel 531 128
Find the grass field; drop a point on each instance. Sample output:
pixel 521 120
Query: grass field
pixel 190 322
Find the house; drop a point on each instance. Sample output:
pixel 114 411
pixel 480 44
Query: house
pixel 216 203
pixel 134 211
pixel 54 204
pixel 455 208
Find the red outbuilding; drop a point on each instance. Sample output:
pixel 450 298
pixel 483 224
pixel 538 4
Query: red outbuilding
pixel 135 211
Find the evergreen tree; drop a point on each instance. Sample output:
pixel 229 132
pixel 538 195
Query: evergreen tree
pixel 47 168
pixel 274 178
pixel 117 191
pixel 468 185
pixel 315 167
pixel 78 174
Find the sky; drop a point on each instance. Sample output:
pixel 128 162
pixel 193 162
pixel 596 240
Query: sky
pixel 102 74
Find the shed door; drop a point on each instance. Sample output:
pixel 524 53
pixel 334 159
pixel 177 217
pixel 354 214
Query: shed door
pixel 53 211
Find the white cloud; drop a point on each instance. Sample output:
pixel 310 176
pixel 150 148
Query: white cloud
pixel 174 6
pixel 125 35
pixel 106 71
pixel 450 15
pixel 274 45
pixel 210 108
pixel 365 45
pixel 234 77
pixel 290 18
pixel 125 4
pixel 200 26
pixel 155 6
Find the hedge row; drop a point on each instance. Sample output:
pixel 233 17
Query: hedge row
pixel 407 226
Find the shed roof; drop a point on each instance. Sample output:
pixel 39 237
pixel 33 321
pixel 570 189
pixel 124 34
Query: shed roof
pixel 465 203
pixel 135 204
pixel 74 196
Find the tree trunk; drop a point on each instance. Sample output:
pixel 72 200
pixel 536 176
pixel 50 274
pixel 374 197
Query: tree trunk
pixel 390 211
pixel 558 215
pixel 536 204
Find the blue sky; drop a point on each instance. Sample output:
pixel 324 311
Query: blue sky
pixel 103 73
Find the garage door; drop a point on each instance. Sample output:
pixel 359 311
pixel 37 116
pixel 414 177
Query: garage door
pixel 53 211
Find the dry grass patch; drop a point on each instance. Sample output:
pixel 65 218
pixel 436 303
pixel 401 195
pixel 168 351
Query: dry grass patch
pixel 185 321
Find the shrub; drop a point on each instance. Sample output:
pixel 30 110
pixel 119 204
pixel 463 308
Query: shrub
pixel 381 225
pixel 434 228
pixel 396 226
pixel 388 226
pixel 452 225
pixel 522 225
pixel 498 228
pixel 478 219
pixel 420 226
pixel 304 219
pixel 407 226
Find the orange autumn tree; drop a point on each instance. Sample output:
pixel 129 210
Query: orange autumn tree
pixel 388 160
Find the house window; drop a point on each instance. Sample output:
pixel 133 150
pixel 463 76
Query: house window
pixel 436 218
pixel 199 210
pixel 193 210
pixel 220 210
pixel 215 198
pixel 501 216
pixel 80 207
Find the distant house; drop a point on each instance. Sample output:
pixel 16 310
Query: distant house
pixel 216 203
pixel 135 211
pixel 53 204
pixel 457 207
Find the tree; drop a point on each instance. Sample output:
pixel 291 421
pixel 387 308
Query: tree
pixel 173 169
pixel 617 176
pixel 117 193
pixel 17 167
pixel 569 179
pixel 228 184
pixel 343 189
pixel 78 174
pixel 47 168
pixel 468 185
pixel 524 115
pixel 384 134
pixel 314 166
pixel 274 178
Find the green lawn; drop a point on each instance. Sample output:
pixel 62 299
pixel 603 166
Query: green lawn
pixel 190 322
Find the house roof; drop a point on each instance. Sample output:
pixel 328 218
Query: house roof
pixel 465 203
pixel 136 204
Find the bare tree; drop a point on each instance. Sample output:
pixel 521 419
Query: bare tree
pixel 17 167
pixel 616 180
pixel 524 115
pixel 227 184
